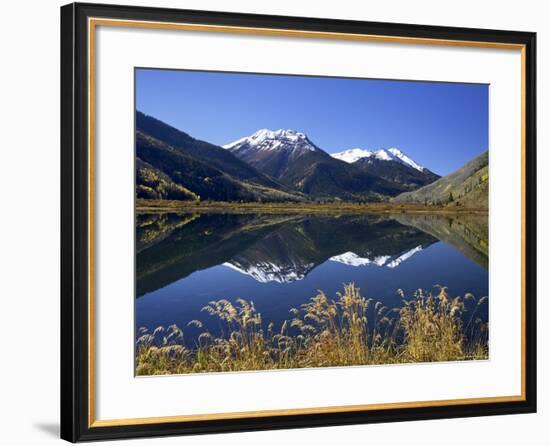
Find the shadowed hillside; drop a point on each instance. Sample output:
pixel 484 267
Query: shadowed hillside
pixel 170 164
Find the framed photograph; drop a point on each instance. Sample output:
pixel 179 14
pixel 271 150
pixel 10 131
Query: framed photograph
pixel 278 222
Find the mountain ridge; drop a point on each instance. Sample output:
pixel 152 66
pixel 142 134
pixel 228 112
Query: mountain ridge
pixel 284 165
pixel 392 154
pixel 293 159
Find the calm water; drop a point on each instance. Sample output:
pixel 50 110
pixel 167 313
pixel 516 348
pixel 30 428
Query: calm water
pixel 280 261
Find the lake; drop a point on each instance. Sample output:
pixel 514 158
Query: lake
pixel 183 261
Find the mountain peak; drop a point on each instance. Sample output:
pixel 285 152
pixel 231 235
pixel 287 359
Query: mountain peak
pixel 278 134
pixel 269 140
pixel 393 154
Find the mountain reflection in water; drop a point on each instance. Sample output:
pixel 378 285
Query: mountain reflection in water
pixel 280 261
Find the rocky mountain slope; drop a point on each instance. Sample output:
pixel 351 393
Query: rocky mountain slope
pixel 293 159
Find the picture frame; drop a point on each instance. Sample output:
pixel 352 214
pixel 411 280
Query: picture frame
pixel 80 326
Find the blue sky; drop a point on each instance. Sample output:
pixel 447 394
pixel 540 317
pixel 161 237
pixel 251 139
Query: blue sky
pixel 439 125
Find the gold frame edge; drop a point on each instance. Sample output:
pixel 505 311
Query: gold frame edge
pixel 92 24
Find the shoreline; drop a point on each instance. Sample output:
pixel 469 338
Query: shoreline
pixel 170 206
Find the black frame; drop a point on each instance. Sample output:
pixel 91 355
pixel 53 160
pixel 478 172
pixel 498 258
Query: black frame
pixel 74 222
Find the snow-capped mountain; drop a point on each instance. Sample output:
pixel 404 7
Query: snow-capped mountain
pixel 290 157
pixel 391 165
pixel 352 155
pixel 293 159
pixel 265 140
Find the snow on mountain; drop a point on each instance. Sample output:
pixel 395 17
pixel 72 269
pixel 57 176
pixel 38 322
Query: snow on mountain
pixel 352 259
pixel 269 272
pixel 405 159
pixel 393 154
pixel 403 257
pixel 269 140
pixel 352 155
pixel 265 272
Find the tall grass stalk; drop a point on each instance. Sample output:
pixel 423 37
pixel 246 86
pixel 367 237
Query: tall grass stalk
pixel 347 330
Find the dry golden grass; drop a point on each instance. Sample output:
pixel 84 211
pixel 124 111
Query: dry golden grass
pixel 301 207
pixel 348 330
